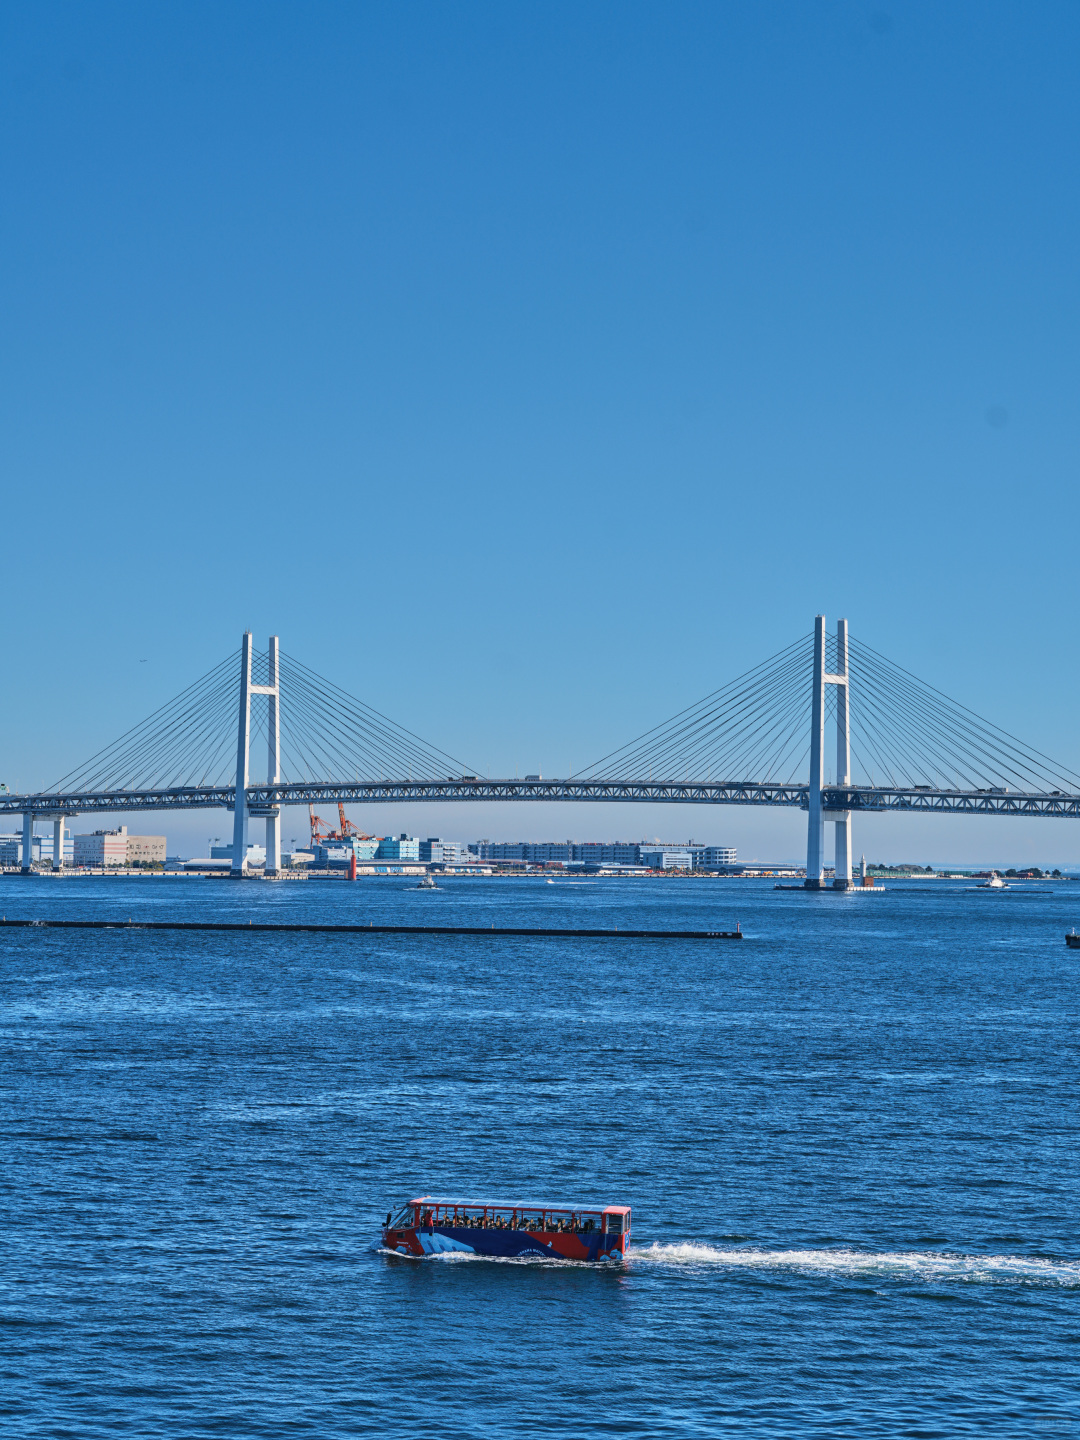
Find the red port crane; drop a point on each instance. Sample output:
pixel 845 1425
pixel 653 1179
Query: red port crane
pixel 317 824
pixel 347 826
pixel 320 830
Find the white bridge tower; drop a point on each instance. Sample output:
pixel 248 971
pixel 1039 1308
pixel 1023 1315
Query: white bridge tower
pixel 815 840
pixel 242 811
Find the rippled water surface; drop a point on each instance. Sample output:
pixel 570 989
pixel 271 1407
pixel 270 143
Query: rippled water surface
pixel 850 1143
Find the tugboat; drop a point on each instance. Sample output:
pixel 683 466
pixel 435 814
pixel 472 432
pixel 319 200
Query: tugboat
pixel 432 1225
pixel 427 883
pixel 994 883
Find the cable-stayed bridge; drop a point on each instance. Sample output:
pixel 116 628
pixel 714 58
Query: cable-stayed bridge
pixel 900 745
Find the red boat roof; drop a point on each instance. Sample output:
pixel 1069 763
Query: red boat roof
pixel 518 1205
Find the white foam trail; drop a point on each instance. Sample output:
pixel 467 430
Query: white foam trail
pixel 868 1264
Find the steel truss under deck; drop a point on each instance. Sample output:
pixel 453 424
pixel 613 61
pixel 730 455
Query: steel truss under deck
pixel 262 799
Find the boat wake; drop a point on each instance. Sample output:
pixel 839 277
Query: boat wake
pixel 933 1266
pixel 926 1266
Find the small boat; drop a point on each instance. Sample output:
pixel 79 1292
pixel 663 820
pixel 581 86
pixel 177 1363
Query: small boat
pixel 433 1225
pixel 994 883
pixel 1073 940
pixel 427 883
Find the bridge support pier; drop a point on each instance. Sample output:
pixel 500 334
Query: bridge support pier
pixel 815 835
pixel 273 759
pixel 842 870
pixel 242 811
pixel 815 839
pixel 243 752
pixel 26 866
pixel 58 843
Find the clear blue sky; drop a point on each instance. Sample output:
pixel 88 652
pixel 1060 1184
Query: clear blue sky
pixel 532 369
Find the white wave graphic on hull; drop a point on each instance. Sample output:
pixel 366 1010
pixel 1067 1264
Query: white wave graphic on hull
pixel 869 1264
pixel 442 1245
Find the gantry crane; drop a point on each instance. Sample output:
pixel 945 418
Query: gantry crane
pixel 347 826
pixel 317 823
pixel 320 830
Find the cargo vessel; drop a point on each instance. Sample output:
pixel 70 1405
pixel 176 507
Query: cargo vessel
pixel 509 1230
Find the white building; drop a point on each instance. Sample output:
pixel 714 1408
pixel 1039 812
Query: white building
pixel 434 851
pixel 103 849
pixel 41 850
pixel 253 855
pixel 712 857
pixel 146 849
pixel 667 859
pixel 292 859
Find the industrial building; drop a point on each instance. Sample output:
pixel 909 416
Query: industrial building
pixel 337 852
pixel 253 855
pixel 534 852
pixel 41 849
pixel 103 849
pixel 667 859
pixel 334 852
pixel 712 857
pixel 434 851
pixel 614 852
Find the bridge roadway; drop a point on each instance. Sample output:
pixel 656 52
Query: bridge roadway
pixel 262 798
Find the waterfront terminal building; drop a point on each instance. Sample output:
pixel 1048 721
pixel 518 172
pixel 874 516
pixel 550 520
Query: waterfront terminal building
pixel 688 856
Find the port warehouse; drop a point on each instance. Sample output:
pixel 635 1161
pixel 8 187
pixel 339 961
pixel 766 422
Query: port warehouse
pixel 653 855
pixel 98 850
pixel 434 851
pixel 101 849
pixel 685 855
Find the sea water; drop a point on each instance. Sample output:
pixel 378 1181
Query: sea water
pixel 849 1141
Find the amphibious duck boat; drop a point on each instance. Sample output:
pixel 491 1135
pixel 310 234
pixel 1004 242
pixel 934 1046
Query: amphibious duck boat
pixel 433 1225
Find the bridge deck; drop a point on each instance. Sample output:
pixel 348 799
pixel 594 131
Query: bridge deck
pixel 261 798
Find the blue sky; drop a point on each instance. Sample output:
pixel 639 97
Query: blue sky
pixel 534 369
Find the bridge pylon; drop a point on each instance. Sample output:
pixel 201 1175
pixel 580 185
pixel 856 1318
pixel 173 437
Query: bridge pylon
pixel 815 840
pixel 242 811
pixel 842 819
